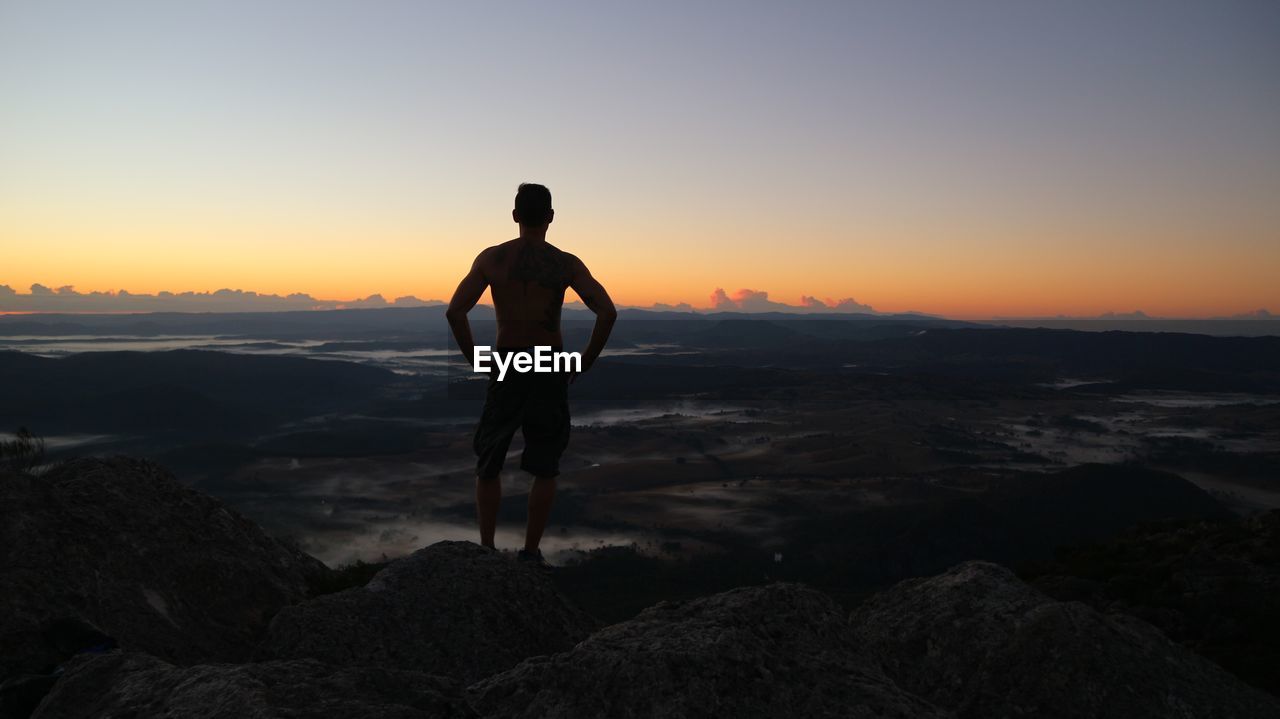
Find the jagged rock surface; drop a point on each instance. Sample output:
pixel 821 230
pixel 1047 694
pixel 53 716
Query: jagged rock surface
pixel 1210 586
pixel 781 650
pixel 124 685
pixel 453 608
pixel 980 641
pixel 120 546
pixel 117 548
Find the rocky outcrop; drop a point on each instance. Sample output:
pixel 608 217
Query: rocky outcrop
pixel 983 604
pixel 453 608
pixel 123 684
pixel 781 650
pixel 1210 586
pixel 104 552
pixel 978 640
pixel 119 548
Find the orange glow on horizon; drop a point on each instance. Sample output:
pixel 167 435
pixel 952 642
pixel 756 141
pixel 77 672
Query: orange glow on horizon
pixel 985 305
pixel 979 270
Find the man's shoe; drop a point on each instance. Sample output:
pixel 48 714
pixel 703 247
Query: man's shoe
pixel 533 559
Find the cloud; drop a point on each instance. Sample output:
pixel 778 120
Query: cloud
pixel 720 300
pixel 655 307
pixel 664 307
pixel 370 302
pixel 1134 315
pixel 411 301
pixel 68 299
pixel 849 304
pixel 756 301
pixel 746 300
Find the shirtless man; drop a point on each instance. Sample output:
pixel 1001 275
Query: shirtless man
pixel 528 277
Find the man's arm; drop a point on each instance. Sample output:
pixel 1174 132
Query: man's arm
pixel 464 298
pixel 597 300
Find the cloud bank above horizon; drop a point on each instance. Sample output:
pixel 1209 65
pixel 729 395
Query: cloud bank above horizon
pixel 745 300
pixel 66 298
pixel 45 299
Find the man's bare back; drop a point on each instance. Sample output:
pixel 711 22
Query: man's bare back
pixel 528 277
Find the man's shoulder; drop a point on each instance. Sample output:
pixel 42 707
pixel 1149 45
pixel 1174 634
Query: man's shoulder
pixel 498 255
pixel 496 252
pixel 568 257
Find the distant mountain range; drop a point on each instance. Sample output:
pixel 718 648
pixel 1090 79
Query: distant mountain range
pixel 66 299
pixel 379 322
pixel 349 323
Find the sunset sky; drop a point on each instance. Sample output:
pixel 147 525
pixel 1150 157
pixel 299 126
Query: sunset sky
pixel 968 159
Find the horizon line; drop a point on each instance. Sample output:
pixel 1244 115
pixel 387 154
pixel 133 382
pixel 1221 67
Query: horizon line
pixel 1261 315
pixel 44 300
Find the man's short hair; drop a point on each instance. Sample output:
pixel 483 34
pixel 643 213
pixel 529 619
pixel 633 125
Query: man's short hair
pixel 533 204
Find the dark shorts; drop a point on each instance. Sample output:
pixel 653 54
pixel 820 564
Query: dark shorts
pixel 534 402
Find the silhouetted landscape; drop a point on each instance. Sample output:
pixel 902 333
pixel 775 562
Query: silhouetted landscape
pixel 348 429
pixel 904 360
pixel 715 452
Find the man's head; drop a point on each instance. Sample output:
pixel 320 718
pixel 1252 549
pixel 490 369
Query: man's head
pixel 533 206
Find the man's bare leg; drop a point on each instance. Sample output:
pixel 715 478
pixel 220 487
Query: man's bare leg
pixel 540 496
pixel 488 497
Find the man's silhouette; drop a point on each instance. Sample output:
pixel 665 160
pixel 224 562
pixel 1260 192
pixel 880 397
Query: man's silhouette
pixel 528 277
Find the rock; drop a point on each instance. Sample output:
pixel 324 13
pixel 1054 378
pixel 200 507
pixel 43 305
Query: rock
pixel 781 650
pixel 1210 586
pixel 453 608
pixel 118 547
pixel 123 684
pixel 20 693
pixel 978 640
pixel 983 603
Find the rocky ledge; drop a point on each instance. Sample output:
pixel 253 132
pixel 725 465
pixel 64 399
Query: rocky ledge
pixel 118 548
pixel 125 684
pixel 978 640
pixel 453 608
pixel 455 630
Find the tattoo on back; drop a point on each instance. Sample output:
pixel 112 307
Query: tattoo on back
pixel 549 268
pixel 542 264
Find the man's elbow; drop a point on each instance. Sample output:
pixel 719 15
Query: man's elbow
pixel 608 314
pixel 453 314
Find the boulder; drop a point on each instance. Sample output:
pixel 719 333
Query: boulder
pixel 117 549
pixel 124 685
pixel 982 605
pixel 1210 586
pixel 978 640
pixel 453 608
pixel 781 650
